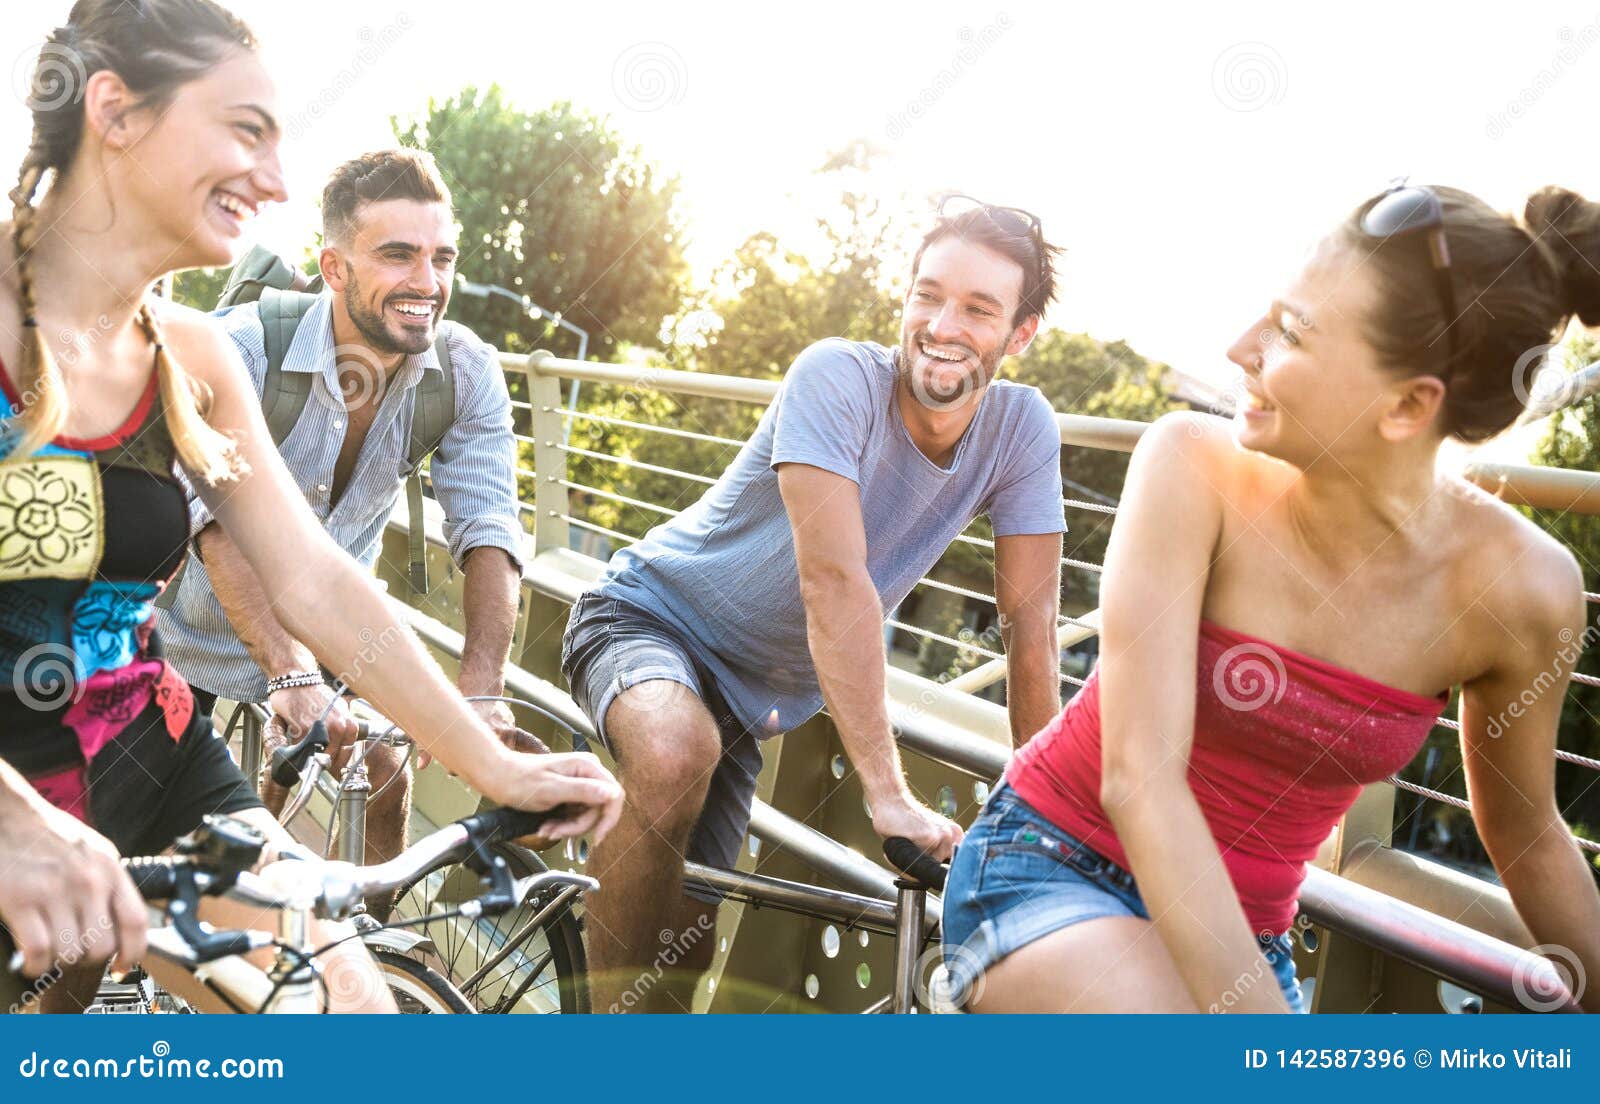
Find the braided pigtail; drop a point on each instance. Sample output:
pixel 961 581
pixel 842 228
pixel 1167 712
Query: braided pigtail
pixel 40 409
pixel 209 455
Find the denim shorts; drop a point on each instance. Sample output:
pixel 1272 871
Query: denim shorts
pixel 611 646
pixel 1017 878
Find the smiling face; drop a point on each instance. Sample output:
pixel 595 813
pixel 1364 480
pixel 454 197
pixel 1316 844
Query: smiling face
pixel 394 276
pixel 957 324
pixel 203 164
pixel 1313 384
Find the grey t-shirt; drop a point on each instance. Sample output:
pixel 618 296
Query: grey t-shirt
pixel 723 572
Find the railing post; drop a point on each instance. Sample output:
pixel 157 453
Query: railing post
pixel 1349 973
pixel 550 500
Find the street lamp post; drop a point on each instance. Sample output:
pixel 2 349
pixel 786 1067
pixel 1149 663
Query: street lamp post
pixel 537 313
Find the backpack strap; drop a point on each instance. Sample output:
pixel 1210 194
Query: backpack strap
pixel 261 269
pixel 283 394
pixel 433 411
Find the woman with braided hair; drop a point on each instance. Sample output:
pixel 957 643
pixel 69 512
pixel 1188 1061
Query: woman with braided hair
pixel 154 142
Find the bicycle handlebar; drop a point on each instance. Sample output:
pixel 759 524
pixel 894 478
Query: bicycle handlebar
pixel 289 761
pixel 498 825
pixel 915 863
pixel 205 868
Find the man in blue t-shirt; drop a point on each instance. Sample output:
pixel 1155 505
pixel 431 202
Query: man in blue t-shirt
pixel 745 614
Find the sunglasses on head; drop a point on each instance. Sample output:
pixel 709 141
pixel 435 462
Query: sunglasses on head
pixel 1410 209
pixel 1009 220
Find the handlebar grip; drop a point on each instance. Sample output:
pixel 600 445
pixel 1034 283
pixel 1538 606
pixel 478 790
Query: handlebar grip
pixel 508 824
pixel 911 860
pixel 155 879
pixel 288 762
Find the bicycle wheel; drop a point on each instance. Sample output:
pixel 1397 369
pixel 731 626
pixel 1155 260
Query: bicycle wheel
pixel 505 963
pixel 417 988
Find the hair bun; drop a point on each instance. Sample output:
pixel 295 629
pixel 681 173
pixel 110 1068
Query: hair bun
pixel 1568 227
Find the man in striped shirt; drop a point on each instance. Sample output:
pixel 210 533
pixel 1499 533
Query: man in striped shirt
pixel 388 262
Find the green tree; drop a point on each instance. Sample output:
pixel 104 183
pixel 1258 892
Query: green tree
pixel 556 206
pixel 760 312
pixel 200 288
pixel 1080 374
pixel 1573 441
pixel 769 303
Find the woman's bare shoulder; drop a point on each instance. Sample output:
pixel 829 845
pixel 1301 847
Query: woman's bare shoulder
pixel 1524 576
pixel 1199 452
pixel 197 341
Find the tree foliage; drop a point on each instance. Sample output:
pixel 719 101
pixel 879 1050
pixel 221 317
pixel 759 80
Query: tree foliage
pixel 767 305
pixel 1573 441
pixel 556 206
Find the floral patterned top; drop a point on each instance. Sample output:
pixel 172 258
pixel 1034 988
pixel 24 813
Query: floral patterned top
pixel 91 531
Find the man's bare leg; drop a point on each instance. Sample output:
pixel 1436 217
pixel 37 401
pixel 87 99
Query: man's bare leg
pixel 666 745
pixel 686 957
pixel 388 816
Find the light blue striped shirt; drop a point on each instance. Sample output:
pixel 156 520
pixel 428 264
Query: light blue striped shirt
pixel 473 473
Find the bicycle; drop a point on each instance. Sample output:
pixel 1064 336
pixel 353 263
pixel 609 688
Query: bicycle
pixel 530 957
pixel 217 860
pixel 493 961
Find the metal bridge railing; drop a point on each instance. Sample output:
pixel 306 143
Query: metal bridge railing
pixel 1443 947
pixel 548 418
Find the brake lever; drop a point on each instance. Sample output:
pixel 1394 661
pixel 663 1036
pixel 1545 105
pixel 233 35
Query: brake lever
pixel 501 896
pixel 208 944
pixel 314 770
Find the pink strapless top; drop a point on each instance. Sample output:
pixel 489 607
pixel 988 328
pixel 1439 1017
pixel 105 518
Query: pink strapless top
pixel 1283 744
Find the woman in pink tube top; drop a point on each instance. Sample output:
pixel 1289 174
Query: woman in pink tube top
pixel 1288 600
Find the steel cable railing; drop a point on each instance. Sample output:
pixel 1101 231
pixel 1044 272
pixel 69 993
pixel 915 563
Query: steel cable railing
pixel 1521 484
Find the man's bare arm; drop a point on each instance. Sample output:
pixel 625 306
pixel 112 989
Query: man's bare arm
pixel 844 626
pixel 489 602
pixel 272 646
pixel 1027 588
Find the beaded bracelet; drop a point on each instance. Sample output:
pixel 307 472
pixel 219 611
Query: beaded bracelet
pixel 293 680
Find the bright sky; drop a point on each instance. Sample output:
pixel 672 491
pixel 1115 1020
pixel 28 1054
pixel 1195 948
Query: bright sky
pixel 1185 155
